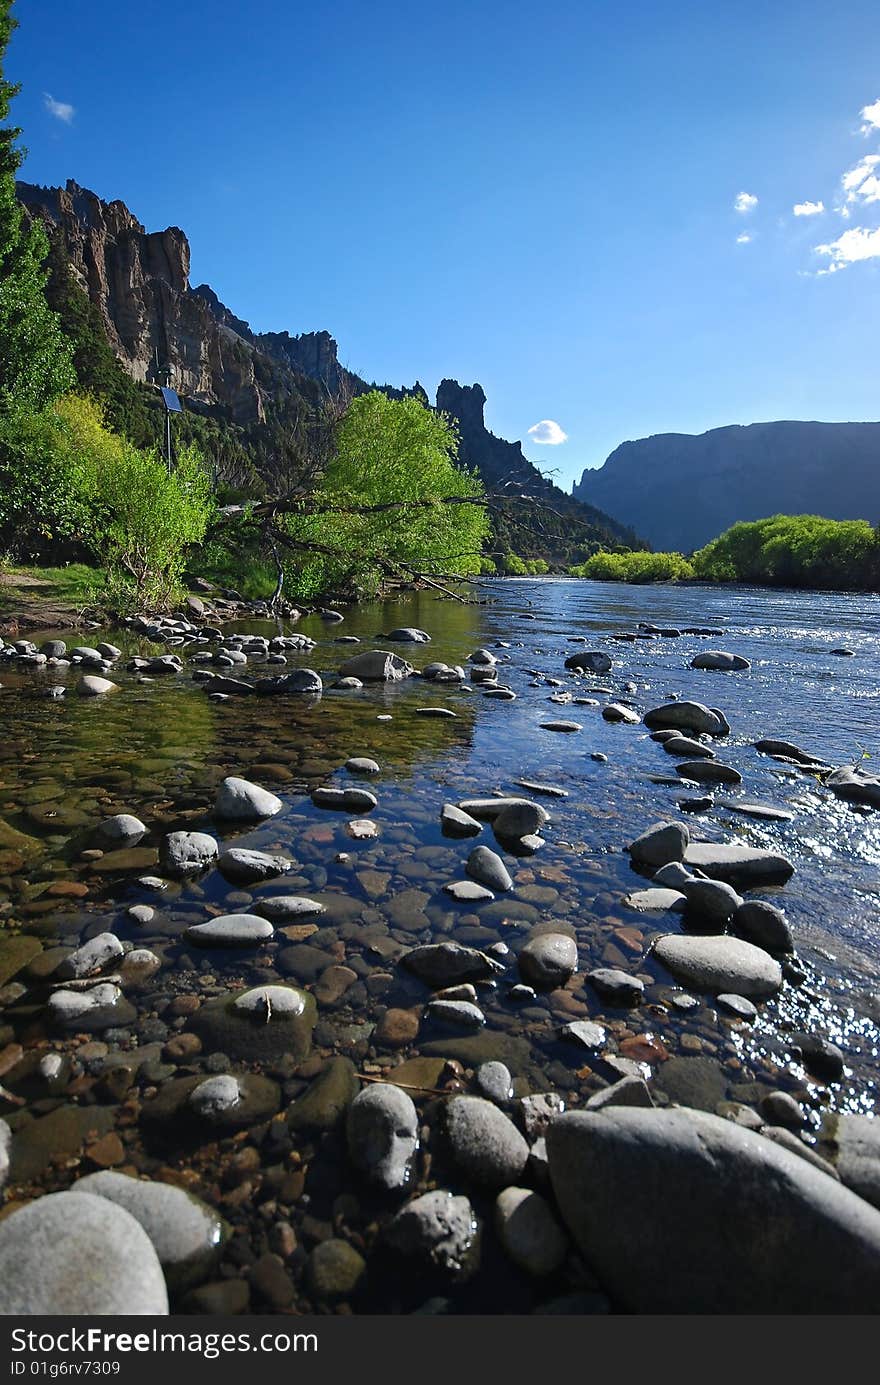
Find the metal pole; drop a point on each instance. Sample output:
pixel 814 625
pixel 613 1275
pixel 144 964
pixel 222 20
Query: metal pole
pixel 168 440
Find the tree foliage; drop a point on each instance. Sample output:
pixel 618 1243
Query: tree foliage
pixel 35 357
pixel 795 551
pixel 635 567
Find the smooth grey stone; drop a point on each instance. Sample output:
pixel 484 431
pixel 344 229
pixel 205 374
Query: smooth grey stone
pixel 74 1254
pixel 589 661
pixel 820 1056
pixel 407 634
pixel 187 853
pixel 719 963
pixel 548 960
pixel 529 1231
pixel 487 868
pixel 185 1232
pixel 719 659
pixel 240 801
pixel 90 685
pixel 737 1005
pixel 300 681
pixel 284 907
pixel 361 764
pixel 763 924
pixel 446 964
pixel 520 820
pixel 120 830
pixel 323 1105
pixel 438 1231
pixel 382 1132
pixel 585 1033
pixel 262 1024
pixel 626 1091
pixel 495 1082
pixel 216 1096
pixel 488 809
pixel 468 891
pixel 744 867
pixel 710 901
pixel 685 746
pixel 456 1014
pixel 851 1144
pixel 619 712
pixel 456 823
pixel 788 1140
pixel 92 957
pixel 568 727
pixel 708 772
pixel 617 986
pixel 231 930
pixel 651 901
pixel 684 1183
pixel 778 1108
pixel 687 716
pixel 672 876
pixel 376 666
pixel 99 1007
pixel 239 864
pixel 345 800
pixel 660 844
pixel 485 1145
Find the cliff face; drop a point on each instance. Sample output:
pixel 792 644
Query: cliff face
pixel 680 491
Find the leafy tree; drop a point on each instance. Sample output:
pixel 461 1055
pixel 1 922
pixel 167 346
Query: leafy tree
pixel 795 551
pixel 635 567
pixel 35 357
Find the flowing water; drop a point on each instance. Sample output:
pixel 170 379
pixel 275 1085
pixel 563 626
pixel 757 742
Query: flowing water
pixel 159 749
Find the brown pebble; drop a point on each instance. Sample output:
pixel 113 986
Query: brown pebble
pixel 183 1005
pixel 182 1046
pixel 107 1152
pixel 644 1048
pixel 397 1028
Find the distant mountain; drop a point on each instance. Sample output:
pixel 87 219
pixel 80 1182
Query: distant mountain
pixel 254 392
pixel 681 490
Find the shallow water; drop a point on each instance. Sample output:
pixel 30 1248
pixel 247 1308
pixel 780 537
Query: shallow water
pixel 159 749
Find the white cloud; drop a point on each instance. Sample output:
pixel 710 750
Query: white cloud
pixel 62 110
pixel 547 433
pixel 852 247
pixel 745 202
pixel 743 238
pixel 860 182
pixel 808 208
pixel 871 116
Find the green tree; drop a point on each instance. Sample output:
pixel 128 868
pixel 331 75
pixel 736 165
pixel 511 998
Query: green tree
pixel 35 357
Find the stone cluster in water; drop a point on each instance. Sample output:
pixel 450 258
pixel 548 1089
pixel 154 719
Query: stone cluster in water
pixel 249 1091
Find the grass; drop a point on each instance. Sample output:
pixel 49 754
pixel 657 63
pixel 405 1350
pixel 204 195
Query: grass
pixel 76 583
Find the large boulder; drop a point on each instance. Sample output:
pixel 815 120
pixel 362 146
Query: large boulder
pixel 720 964
pixel 855 785
pixel 744 867
pixel 240 801
pixel 721 660
pixel 687 716
pixel 660 844
pixel 376 666
pixel 679 1211
pixel 589 661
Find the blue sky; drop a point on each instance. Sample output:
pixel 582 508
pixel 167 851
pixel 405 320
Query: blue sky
pixel 545 202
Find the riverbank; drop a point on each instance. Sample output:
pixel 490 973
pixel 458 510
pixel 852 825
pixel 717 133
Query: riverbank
pixel 373 831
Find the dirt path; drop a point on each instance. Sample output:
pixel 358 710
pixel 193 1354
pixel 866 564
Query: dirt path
pixel 31 603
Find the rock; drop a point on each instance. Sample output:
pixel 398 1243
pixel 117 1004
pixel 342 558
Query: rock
pixel 483 657
pixel 708 772
pixel 485 1145
pixel 396 1028
pixel 778 1108
pixel 619 712
pixel 488 809
pixel 99 1007
pixel 494 1082
pixel 763 924
pixel 186 1234
pixel 737 1005
pixel 240 801
pixel 300 681
pixel 258 1025
pixel 616 986
pixel 438 1232
pixel 585 1033
pixel 529 1231
pixel 407 634
pixel 548 960
pixel 784 750
pixel 710 902
pixel 649 901
pixel 690 749
pixel 284 908
pixel 569 727
pixel 687 716
pixel 520 820
pixel 214 1098
pixel 820 1056
pixel 187 853
pixel 455 823
pixel 851 1144
pixel 467 891
pixel 788 1140
pixel 5 1142
pixel 335 1270
pixel 627 1091
pixel 855 785
pixel 324 1104
pixel 345 800
pixel 92 957
pixel 241 865
pixel 487 868
pixel 223 1104
pixel 744 867
pixel 719 659
pixel 719 964
pixel 74 1254
pixel 120 830
pixel 589 661
pixel 17 950
pixel 673 875
pixel 662 843
pixel 682 1184
pixel 457 1014
pixel 90 685
pixel 376 666
pixel 382 1132
pixel 231 930
pixel 360 764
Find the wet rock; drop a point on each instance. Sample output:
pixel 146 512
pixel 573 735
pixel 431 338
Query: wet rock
pixel 324 1104
pixel 438 1232
pixel 90 685
pixel 585 1033
pixel 361 764
pixel 687 716
pixel 820 1056
pixel 192 1102
pixel 396 1028
pixel 467 892
pixel 708 772
pixel 231 930
pixel 720 964
pixel 100 1007
pixel 737 1005
pixel 651 901
pixel 566 727
pixel 186 1234
pixel 17 950
pixel 589 661
pixel 382 1133
pixel 744 867
pixel 94 956
pixel 446 964
pixel 693 1081
pixel 685 746
pixel 456 823
pixel 301 681
pixel 288 908
pixel 345 800
pixel 120 830
pixel 520 820
pixel 376 666
pixel 484 1144
pixel 457 1014
pixel 855 785
pixel 258 1025
pixel 335 1270
pixel 851 1144
pixel 720 660
pixel 660 844
pixel 487 868
pixel 187 853
pixel 710 902
pixel 627 1091
pixel 529 1232
pixel 214 1098
pixel 682 1183
pixel 617 986
pixel 763 924
pixel 779 1108
pixel 245 867
pixel 240 801
pixel 620 713
pixel 495 1082
pixel 548 960
pixel 75 1254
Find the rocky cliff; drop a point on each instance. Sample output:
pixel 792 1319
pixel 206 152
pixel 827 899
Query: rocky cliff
pixel 680 490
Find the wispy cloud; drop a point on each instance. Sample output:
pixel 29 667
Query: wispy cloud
pixel 745 202
pixel 808 208
pixel 870 117
pixel 61 110
pixel 853 246
pixel 744 238
pixel 547 433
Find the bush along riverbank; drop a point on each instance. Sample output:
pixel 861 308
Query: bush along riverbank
pixel 280 1034
pixel 784 551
